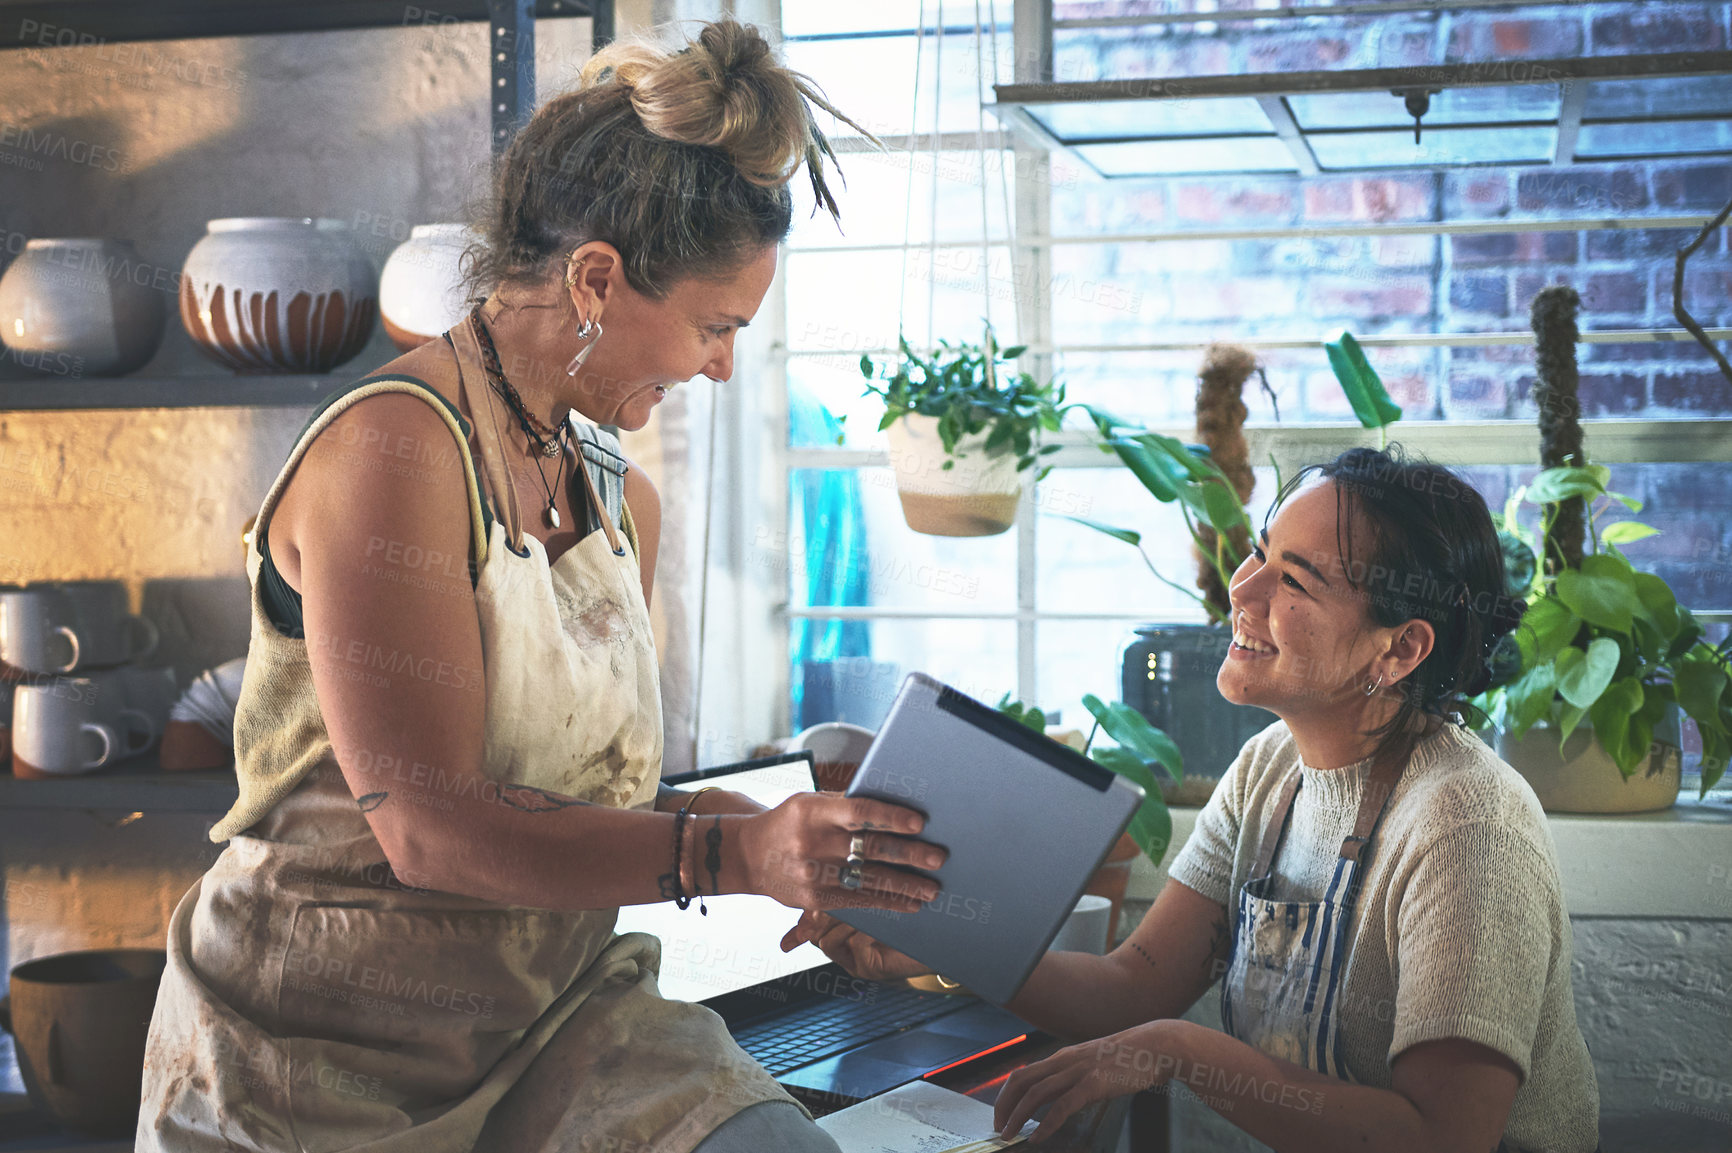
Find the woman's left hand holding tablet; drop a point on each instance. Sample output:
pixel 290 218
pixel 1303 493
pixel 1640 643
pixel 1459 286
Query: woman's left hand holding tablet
pixel 798 853
pixel 1140 1058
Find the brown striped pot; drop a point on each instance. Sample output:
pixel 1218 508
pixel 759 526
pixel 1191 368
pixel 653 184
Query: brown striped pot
pixel 278 294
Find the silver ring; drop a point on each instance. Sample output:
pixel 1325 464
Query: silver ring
pixel 852 874
pixel 857 846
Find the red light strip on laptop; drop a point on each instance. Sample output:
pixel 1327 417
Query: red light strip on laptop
pixel 977 1056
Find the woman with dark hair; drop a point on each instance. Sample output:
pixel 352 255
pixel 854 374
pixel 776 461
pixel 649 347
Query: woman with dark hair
pixel 1376 892
pixel 449 734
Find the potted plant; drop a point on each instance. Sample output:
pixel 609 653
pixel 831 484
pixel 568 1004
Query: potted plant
pixel 1590 684
pixel 1140 750
pixel 963 431
pixel 1587 690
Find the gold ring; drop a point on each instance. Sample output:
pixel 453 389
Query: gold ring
pixel 857 846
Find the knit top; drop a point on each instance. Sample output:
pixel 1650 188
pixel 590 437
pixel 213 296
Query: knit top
pixel 1460 930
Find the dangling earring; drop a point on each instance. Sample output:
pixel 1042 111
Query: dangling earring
pixel 591 331
pixel 1369 689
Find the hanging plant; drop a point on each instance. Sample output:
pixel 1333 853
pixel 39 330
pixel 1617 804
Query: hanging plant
pixel 964 427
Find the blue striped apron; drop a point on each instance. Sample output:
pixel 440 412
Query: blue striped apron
pixel 1281 993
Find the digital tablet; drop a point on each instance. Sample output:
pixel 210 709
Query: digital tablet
pixel 1026 820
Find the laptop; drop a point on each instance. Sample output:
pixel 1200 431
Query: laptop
pixel 829 1038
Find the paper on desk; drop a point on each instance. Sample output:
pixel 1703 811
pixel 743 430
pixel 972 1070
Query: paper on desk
pixel 918 1118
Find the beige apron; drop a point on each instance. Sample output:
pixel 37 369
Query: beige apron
pixel 313 1003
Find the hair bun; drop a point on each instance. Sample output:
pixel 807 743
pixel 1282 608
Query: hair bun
pixel 725 90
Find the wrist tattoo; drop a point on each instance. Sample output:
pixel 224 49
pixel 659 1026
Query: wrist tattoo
pixel 371 801
pixel 713 858
pixel 665 883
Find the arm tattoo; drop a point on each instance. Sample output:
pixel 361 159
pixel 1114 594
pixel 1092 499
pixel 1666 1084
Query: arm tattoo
pixel 371 801
pixel 713 858
pixel 1143 953
pixel 532 800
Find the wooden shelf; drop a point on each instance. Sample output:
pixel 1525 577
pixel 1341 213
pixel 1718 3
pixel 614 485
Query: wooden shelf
pixel 139 784
pixel 216 390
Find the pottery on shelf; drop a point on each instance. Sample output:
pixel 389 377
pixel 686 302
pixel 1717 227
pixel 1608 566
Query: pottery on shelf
pixel 80 1023
pixel 421 288
pixel 81 306
pixel 278 294
pixel 1582 778
pixel 977 496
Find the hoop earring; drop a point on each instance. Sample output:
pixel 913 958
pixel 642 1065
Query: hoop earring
pixel 591 331
pixel 1369 689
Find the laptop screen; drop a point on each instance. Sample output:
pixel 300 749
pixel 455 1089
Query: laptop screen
pixel 739 944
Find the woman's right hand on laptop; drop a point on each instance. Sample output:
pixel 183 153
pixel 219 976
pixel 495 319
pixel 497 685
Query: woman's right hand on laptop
pixel 798 852
pixel 862 956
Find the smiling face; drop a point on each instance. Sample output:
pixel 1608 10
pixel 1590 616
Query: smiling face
pixel 1303 641
pixel 648 346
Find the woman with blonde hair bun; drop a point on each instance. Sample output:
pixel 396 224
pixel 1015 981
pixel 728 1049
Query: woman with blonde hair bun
pixel 449 735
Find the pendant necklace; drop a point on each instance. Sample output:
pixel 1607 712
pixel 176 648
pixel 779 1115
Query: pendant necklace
pixel 543 440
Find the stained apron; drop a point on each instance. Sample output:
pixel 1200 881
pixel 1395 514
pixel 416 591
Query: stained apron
pixel 312 1002
pixel 1290 957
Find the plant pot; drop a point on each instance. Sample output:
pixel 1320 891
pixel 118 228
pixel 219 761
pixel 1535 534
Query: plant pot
pixel 81 1021
pixel 80 307
pixel 977 496
pixel 421 287
pixel 278 294
pixel 1583 778
pixel 1168 675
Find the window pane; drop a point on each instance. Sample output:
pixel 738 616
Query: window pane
pixel 880 205
pixel 872 80
pixel 823 17
pixel 1674 96
pixel 1075 658
pixel 1654 138
pixel 1219 117
pixel 1083 570
pixel 1182 157
pixel 849 301
pixel 848 545
pixel 1451 106
pixel 1437 146
pixel 976 657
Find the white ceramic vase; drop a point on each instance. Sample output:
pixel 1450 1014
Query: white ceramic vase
pixel 1583 778
pixel 421 287
pixel 81 307
pixel 278 294
pixel 977 496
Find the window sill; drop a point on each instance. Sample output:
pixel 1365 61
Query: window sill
pixel 1673 863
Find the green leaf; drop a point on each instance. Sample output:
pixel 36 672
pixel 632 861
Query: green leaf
pixel 1625 531
pixel 1546 627
pixel 1529 697
pixel 1222 505
pixel 1365 392
pixel 1569 716
pixel 1133 731
pixel 1658 604
pixel 1700 685
pixel 866 366
pixel 1601 592
pixel 1012 352
pixel 1147 467
pixel 1562 483
pixel 1151 826
pixel 1518 563
pixel 1611 719
pixel 1583 676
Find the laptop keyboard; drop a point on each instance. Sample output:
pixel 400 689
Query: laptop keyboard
pixel 814 1032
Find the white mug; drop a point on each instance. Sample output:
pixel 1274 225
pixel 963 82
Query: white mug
pixel 70 725
pixel 1085 930
pixel 36 630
